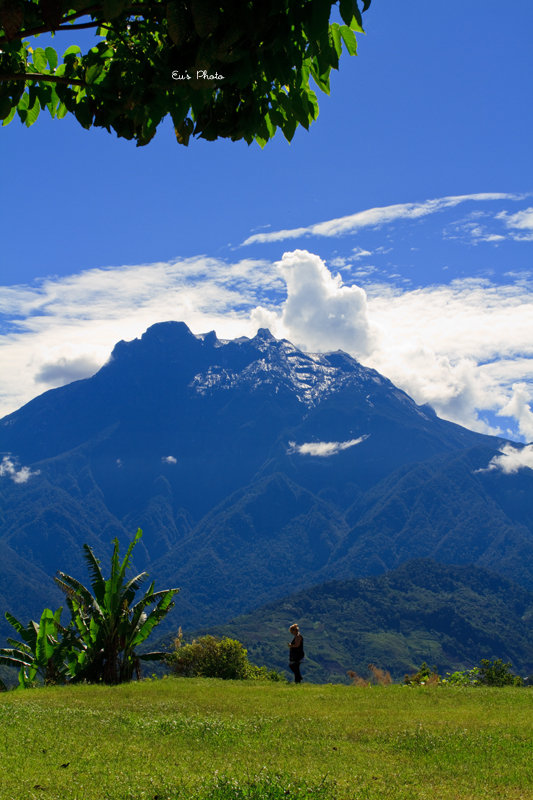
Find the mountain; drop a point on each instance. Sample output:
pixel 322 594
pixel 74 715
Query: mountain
pixel 254 469
pixel 448 616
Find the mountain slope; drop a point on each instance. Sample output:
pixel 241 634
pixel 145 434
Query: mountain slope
pixel 254 469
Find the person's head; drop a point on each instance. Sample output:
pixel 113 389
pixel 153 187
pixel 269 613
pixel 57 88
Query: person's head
pixel 294 629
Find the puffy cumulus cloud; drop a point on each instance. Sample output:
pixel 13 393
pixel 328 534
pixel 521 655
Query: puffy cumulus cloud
pixel 169 460
pixel 511 459
pixel 323 449
pixel 518 407
pixel 375 217
pixel 320 313
pixel 8 468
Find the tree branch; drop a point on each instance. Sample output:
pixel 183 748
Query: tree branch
pixel 142 9
pixel 37 76
pixel 47 29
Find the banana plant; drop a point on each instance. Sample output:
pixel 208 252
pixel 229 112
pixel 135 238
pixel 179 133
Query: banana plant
pixel 109 625
pixel 44 651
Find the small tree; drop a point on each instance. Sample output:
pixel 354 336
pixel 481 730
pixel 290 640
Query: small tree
pixel 109 626
pixel 496 673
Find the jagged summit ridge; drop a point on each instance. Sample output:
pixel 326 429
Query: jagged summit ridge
pixel 252 363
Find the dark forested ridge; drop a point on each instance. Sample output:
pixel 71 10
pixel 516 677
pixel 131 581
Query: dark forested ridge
pixel 254 469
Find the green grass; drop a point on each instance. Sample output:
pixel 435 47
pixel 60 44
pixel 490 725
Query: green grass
pixel 194 739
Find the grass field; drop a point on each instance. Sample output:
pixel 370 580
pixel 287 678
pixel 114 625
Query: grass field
pixel 229 740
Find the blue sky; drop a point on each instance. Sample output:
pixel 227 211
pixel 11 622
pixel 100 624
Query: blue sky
pixel 408 204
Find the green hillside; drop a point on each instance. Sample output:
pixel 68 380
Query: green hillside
pixel 448 616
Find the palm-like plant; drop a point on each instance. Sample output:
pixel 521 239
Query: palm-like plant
pixel 108 624
pixel 44 650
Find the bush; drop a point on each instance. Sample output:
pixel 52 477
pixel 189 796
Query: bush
pixel 490 673
pixel 496 673
pixel 466 677
pixel 426 676
pixel 209 657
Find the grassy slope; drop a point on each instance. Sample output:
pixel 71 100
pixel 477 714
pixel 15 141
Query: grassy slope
pixel 166 739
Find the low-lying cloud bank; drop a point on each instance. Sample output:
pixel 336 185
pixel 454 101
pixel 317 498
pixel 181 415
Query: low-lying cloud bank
pixel 9 469
pixel 511 459
pixel 323 449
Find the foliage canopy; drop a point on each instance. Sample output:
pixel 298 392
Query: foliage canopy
pixel 238 69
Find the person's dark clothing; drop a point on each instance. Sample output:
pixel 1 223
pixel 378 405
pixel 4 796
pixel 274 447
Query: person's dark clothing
pixel 295 667
pixel 296 655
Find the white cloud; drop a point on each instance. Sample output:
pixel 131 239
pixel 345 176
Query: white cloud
pixel 458 347
pixel 511 459
pixel 9 469
pixel 518 408
pixel 522 221
pixel 359 252
pixel 374 217
pixel 320 312
pixel 323 449
pixel 169 460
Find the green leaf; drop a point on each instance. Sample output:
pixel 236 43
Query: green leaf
pixel 321 80
pixel 74 49
pixel 23 105
pixel 349 39
pixel 51 55
pixel 40 60
pixel 335 30
pixel 93 73
pixel 53 102
pixel 32 114
pixel 270 126
pixel 10 116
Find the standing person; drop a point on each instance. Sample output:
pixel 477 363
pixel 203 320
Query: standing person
pixel 296 652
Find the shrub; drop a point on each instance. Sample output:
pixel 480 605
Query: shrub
pixel 209 657
pixel 490 673
pixel 467 677
pixel 426 676
pixel 496 673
